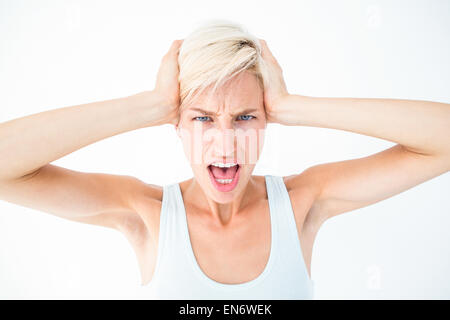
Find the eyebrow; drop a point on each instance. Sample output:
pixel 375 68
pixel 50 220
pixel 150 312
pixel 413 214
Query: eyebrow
pixel 208 113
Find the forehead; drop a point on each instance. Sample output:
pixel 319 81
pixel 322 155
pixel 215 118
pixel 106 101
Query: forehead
pixel 243 91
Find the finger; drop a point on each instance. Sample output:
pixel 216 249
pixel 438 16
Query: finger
pixel 265 52
pixel 173 52
pixel 267 55
pixel 264 48
pixel 175 47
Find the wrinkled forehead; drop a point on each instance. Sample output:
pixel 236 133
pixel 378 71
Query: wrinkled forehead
pixel 242 92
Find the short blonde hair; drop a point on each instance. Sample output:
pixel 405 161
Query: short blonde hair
pixel 214 53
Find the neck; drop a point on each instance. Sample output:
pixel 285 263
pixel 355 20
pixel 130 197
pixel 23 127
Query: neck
pixel 221 213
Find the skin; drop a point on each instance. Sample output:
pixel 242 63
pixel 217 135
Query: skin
pixel 223 113
pixel 226 229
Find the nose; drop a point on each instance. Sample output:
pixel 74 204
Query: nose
pixel 224 143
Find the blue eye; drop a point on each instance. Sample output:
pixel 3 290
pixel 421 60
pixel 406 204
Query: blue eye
pixel 202 119
pixel 247 117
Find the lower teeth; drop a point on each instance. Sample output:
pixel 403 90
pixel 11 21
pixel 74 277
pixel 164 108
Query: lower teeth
pixel 224 181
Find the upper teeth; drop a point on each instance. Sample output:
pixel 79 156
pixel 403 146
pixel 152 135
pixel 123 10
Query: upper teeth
pixel 223 165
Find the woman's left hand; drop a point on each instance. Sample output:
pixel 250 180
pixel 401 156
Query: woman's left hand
pixel 275 91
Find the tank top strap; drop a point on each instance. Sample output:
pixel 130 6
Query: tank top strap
pixel 168 210
pixel 281 216
pixel 172 209
pixel 170 227
pixel 281 206
pixel 279 202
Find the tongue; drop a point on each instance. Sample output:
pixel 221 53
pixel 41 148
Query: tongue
pixel 224 173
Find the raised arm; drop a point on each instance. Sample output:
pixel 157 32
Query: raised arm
pixel 29 144
pixel 421 130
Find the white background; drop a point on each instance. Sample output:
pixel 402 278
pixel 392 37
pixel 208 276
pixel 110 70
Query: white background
pixel 61 53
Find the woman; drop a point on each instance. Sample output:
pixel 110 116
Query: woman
pixel 224 233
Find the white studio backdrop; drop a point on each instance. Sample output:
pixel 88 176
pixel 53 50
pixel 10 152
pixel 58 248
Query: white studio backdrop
pixel 60 53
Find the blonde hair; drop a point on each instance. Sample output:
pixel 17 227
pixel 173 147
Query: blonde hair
pixel 215 53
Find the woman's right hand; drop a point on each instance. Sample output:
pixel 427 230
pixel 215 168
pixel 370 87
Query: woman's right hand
pixel 167 88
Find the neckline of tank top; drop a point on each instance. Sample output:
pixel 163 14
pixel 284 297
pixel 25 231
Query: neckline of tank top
pixel 227 286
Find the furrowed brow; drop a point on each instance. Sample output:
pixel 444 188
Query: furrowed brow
pixel 245 111
pixel 209 113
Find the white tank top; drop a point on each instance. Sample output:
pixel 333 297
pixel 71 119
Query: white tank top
pixel 177 274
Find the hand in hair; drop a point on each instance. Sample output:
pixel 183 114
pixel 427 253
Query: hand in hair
pixel 275 91
pixel 167 87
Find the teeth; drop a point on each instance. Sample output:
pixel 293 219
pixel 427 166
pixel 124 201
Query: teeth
pixel 223 165
pixel 224 181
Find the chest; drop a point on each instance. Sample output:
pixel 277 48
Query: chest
pixel 244 246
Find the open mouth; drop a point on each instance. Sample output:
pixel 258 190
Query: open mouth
pixel 224 176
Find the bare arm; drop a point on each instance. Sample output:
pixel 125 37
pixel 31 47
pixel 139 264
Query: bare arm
pixel 421 130
pixel 419 126
pixel 30 143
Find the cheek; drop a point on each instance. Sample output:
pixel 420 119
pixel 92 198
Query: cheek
pixel 194 145
pixel 185 136
pixel 250 143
